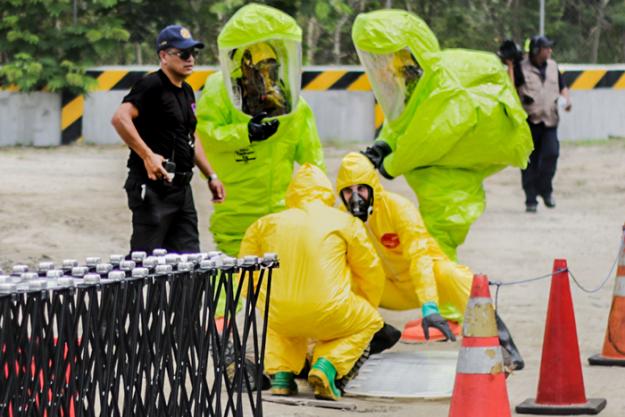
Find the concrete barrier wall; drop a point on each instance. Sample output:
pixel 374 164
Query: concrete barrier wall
pixel 340 115
pixel 96 123
pixel 596 114
pixel 343 115
pixel 32 119
pixel 340 97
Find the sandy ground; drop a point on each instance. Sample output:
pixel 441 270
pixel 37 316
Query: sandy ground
pixel 68 203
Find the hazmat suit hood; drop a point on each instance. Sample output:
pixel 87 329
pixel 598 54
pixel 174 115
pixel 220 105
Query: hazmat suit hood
pixel 309 184
pixel 387 31
pixel 270 33
pixel 357 169
pixel 383 40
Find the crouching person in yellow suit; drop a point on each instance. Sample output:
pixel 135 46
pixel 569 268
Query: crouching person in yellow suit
pixel 418 273
pixel 327 288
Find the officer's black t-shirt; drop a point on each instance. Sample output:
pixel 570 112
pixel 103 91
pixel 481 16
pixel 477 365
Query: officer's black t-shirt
pixel 166 121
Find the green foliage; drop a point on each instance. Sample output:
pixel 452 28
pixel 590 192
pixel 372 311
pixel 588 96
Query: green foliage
pixel 49 43
pixel 22 71
pixel 46 46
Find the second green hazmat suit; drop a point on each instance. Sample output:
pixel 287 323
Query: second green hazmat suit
pixel 256 91
pixel 452 118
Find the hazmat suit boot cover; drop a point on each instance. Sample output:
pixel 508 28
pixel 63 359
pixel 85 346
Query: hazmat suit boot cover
pixel 329 282
pixel 257 174
pixel 462 115
pixel 416 268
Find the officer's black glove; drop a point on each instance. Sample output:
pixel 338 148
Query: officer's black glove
pixel 377 152
pixel 259 130
pixel 435 320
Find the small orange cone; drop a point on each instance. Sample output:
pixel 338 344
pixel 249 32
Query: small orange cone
pixel 413 332
pixel 613 353
pixel 480 387
pixel 561 382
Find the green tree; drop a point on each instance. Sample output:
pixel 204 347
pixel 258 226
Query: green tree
pixel 49 43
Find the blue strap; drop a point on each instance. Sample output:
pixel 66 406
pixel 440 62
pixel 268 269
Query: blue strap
pixel 429 309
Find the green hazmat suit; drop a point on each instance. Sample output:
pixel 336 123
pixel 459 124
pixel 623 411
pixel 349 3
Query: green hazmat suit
pixel 255 174
pixel 460 123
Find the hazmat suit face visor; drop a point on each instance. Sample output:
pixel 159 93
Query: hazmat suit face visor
pixel 358 200
pixel 393 77
pixel 264 76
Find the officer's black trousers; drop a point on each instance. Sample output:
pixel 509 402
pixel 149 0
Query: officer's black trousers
pixel 162 218
pixel 538 176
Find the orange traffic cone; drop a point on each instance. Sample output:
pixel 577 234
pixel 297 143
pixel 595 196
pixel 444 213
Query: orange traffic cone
pixel 561 382
pixel 480 387
pixel 613 353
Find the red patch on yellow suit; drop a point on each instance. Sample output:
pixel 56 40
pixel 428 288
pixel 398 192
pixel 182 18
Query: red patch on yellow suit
pixel 390 240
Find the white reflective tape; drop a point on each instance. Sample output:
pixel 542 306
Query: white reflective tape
pixel 480 360
pixel 478 301
pixel 619 287
pixel 479 318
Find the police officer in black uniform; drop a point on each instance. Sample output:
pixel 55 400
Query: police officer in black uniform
pixel 157 122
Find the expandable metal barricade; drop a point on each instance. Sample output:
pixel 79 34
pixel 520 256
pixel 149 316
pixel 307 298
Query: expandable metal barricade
pixel 133 338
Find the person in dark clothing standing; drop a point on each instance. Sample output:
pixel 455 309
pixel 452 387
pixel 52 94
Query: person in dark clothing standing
pixel 540 85
pixel 157 122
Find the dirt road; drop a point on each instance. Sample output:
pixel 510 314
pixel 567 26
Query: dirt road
pixel 68 202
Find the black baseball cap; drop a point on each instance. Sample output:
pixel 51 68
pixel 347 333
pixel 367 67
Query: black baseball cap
pixel 176 36
pixel 540 41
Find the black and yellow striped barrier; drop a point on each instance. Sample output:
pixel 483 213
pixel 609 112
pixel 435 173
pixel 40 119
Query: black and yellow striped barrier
pixel 312 80
pixel 589 79
pixel 73 106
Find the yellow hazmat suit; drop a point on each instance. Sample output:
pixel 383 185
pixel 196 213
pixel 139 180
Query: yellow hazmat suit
pixel 329 282
pixel 417 270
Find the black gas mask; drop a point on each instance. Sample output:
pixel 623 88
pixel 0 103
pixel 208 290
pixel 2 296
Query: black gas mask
pixel 357 205
pixel 258 80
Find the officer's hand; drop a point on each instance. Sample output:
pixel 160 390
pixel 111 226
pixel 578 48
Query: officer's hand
pixel 154 166
pixel 377 152
pixel 259 130
pixel 217 190
pixel 435 320
pixel 569 105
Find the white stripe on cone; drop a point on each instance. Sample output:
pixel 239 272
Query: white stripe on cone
pixel 480 360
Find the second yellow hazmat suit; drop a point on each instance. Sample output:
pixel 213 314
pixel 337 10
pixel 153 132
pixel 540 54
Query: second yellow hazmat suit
pixel 329 282
pixel 255 174
pixel 417 270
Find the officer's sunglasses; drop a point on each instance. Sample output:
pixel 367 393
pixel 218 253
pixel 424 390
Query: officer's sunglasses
pixel 185 53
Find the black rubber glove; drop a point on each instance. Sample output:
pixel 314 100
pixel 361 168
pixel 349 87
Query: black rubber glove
pixel 510 351
pixel 435 320
pixel 259 130
pixel 384 173
pixel 385 338
pixel 377 152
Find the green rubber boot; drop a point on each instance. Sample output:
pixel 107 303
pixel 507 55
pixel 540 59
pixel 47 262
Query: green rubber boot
pixel 321 377
pixel 283 383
